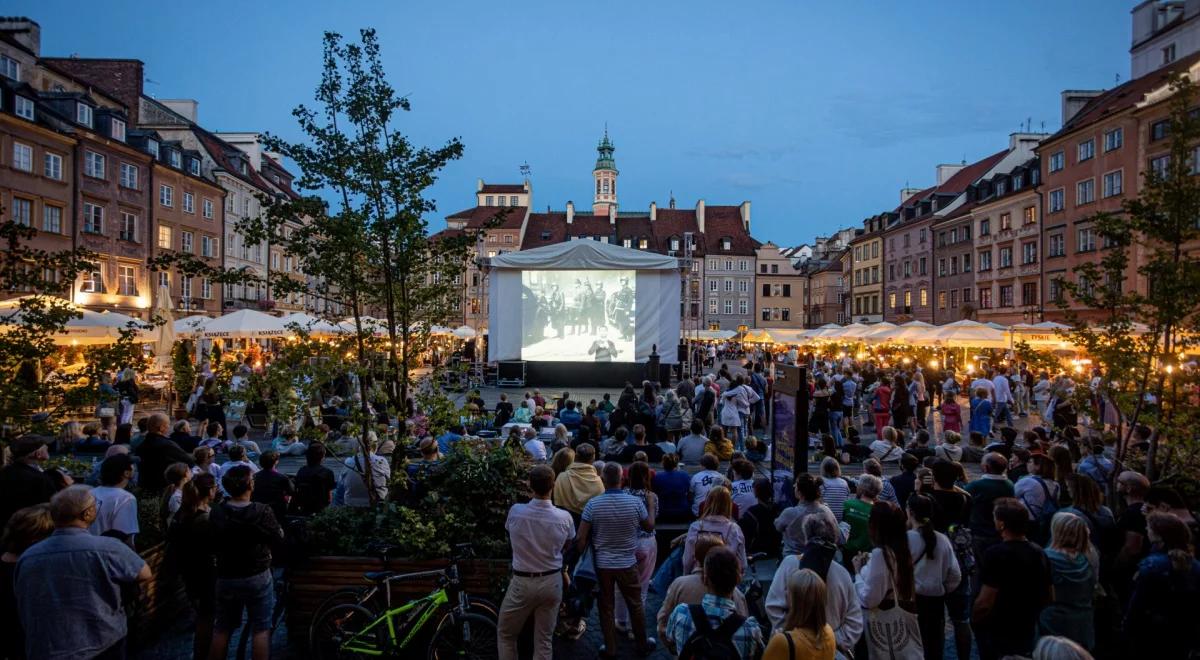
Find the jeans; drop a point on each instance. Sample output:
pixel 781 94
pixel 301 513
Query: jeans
pixel 525 596
pixel 254 594
pixel 628 581
pixel 1003 413
pixel 835 426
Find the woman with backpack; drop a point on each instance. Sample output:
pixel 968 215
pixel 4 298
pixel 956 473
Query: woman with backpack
pixel 936 573
pixel 1074 565
pixel 805 635
pixel 1040 493
pixel 881 405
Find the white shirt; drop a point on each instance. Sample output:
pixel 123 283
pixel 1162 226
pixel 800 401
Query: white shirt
pixel 842 610
pixel 1002 391
pixel 1030 491
pixel 986 385
pixel 538 531
pixel 743 495
pixel 353 488
pixel 936 576
pixel 116 510
pixel 536 449
pixel 702 482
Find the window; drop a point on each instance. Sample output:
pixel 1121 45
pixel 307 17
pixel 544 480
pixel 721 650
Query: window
pixel 1005 221
pixel 924 297
pixel 185 288
pixel 1030 215
pixel 165 238
pixel 985 298
pixel 1168 54
pixel 1087 149
pixel 129 223
pixel 729 264
pixel 643 244
pixel 208 209
pixel 166 195
pixel 206 289
pixel 23 108
pixel 22 157
pixel 941 267
pixel 274 261
pixel 714 285
pixel 129 176
pixel 93 279
pixel 22 211
pixel 1057 245
pixel 908 269
pixel 164 279
pixel 1158 166
pixel 729 307
pixel 117 129
pixel 1000 187
pixel 208 246
pixel 627 242
pixel 1005 257
pixel 712 305
pixel 189 202
pixel 52 166
pixel 10 68
pixel 892 300
pixel 953 236
pixel 954 298
pixel 1006 295
pixel 194 166
pixel 1018 180
pixel 1113 139
pixel 52 219
pixel 743 307
pixel 1057 200
pixel 966 263
pixel 1112 183
pixel 1160 130
pixel 186 240
pixel 921 236
pixel 907 299
pixel 941 300
pixel 966 294
pixel 1057 161
pixel 174 157
pixel 985 260
pixel 985 227
pixel 726 244
pixel 1029 252
pixel 127 280
pixel 93 218
pixel 246 206
pixel 93 165
pixel 743 286
pixel 1056 290
pixel 785 314
pixel 1085 192
pixel 512 201
pixel 1085 239
pixel 1029 293
pixel 728 285
pixel 83 114
pixel 923 266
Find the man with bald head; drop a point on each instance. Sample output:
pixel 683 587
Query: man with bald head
pixel 992 485
pixel 68 587
pixel 157 452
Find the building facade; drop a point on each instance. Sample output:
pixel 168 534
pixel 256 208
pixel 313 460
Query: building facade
pixel 779 290
pixel 1007 241
pixel 866 256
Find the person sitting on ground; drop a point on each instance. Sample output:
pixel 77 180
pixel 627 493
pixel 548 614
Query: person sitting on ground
pixel 717 444
pixel 805 632
pixel 241 439
pixel 671 486
pixel 691 447
pixel 950 449
pixel 653 453
pixel 790 522
pixel 716 518
pixel 886 448
pixel 533 446
pixel 524 414
pixel 888 492
pixel 689 588
pixel 214 437
pixel 287 443
pixel 919 447
pixel 570 417
pixel 315 483
pixel 742 485
pixel 705 626
pixel 272 487
pixel 446 441
pixel 611 449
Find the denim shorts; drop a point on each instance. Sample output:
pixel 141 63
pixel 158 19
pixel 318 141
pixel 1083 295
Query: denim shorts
pixel 958 602
pixel 255 594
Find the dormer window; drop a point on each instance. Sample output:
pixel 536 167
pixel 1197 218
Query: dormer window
pixel 10 68
pixel 1000 188
pixel 83 114
pixel 726 244
pixel 118 129
pixel 642 243
pixel 674 243
pixel 23 107
pixel 242 167
pixel 174 157
pixel 152 147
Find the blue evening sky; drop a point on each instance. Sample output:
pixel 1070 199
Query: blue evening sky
pixel 816 112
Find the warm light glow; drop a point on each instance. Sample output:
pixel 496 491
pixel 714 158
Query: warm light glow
pixel 1079 368
pixel 905 360
pixel 1170 368
pixel 860 355
pixel 933 364
pixel 970 368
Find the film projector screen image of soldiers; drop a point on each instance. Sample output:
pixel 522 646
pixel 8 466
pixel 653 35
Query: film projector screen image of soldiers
pixel 578 315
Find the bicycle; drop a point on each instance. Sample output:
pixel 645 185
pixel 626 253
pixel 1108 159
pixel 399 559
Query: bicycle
pixel 752 590
pixel 352 630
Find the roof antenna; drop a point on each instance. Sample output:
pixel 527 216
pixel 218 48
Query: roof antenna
pixel 1117 79
pixel 525 169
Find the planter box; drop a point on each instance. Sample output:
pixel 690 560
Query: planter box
pixel 160 601
pixel 317 577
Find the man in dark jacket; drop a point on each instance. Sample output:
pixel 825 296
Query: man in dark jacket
pixel 244 534
pixel 23 483
pixel 706 401
pixel 157 453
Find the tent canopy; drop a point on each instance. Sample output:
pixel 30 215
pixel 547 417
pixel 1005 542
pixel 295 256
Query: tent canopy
pixel 966 333
pixel 88 328
pixel 245 323
pixel 584 255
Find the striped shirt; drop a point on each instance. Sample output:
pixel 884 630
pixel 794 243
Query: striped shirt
pixel 834 493
pixel 680 627
pixel 615 518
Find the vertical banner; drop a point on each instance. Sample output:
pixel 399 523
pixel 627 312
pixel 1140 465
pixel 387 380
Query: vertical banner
pixel 789 437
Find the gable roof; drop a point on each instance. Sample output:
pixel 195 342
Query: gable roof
pixel 503 188
pixel 476 217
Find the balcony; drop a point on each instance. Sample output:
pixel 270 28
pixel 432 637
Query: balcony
pixel 1030 269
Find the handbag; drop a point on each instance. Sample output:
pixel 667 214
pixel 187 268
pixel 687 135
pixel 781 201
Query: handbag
pixel 893 633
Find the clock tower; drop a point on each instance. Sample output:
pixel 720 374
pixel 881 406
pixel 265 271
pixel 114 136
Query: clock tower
pixel 605 173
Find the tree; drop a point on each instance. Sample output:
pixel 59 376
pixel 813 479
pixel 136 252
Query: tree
pixel 1147 331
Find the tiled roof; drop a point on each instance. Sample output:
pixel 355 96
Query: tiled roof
pixel 1124 96
pixel 476 217
pixel 503 188
pixel 726 222
pixel 220 152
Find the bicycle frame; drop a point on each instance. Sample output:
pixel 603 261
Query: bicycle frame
pixel 363 642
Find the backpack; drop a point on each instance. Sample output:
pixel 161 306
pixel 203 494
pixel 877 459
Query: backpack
pixel 708 643
pixel 964 548
pixel 1049 508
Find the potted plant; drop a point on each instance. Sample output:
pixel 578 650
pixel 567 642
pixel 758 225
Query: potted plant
pixel 184 374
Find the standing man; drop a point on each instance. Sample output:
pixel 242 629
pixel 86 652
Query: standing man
pixel 1003 397
pixel 68 587
pixel 157 452
pixel 538 533
pixel 116 508
pixel 610 523
pixel 991 486
pixel 599 298
pixel 1016 586
pixel 23 482
pixel 557 304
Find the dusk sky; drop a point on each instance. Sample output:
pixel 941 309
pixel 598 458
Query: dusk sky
pixel 818 113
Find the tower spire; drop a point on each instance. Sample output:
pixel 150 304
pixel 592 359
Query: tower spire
pixel 605 174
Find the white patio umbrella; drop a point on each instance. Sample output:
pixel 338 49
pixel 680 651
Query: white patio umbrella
pixel 874 332
pixel 464 332
pixel 166 331
pixel 314 326
pixel 967 333
pixel 904 333
pixel 88 328
pixel 855 331
pixel 828 330
pixel 190 326
pixel 245 324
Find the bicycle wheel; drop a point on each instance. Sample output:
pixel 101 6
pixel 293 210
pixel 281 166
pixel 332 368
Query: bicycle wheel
pixel 464 636
pixel 483 607
pixel 343 596
pixel 340 624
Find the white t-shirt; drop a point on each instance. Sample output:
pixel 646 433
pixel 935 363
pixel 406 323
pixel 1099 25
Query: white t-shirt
pixel 702 482
pixel 743 495
pixel 116 509
pixel 982 383
pixel 536 449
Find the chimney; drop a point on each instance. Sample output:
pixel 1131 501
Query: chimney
pixel 905 193
pixel 612 215
pixel 744 211
pixel 189 109
pixel 1073 101
pixel 478 185
pixel 570 212
pixel 945 171
pixel 653 211
pixel 24 31
pixel 700 215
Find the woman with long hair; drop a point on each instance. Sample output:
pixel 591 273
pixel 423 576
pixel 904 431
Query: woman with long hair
pixel 885 578
pixel 902 411
pixel 647 547
pixel 716 517
pixel 648 409
pixel 190 548
pixel 806 635
pixel 1165 589
pixel 718 445
pixel 562 459
pixel 1074 566
pixel 936 573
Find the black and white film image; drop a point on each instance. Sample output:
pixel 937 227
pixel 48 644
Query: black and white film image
pixel 577 315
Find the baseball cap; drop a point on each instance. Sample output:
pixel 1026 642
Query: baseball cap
pixel 27 444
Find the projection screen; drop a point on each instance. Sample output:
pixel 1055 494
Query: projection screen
pixel 578 315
